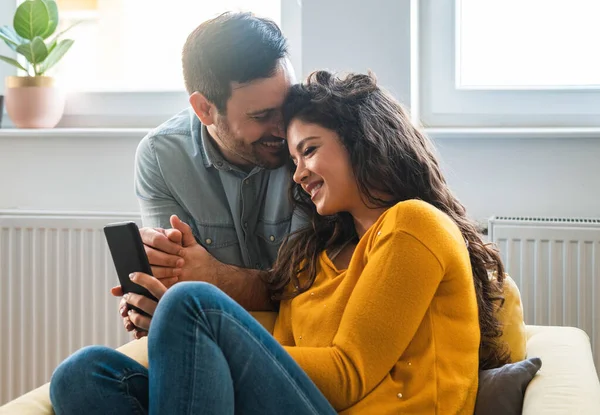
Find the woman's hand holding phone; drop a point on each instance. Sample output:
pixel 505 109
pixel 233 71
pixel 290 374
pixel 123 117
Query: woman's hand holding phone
pixel 127 249
pixel 133 320
pixel 162 248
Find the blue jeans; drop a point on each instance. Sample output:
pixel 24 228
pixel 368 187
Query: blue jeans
pixel 206 354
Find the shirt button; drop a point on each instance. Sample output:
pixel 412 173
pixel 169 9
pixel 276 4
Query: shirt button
pixel 247 181
pixel 245 225
pixel 208 241
pixel 400 395
pixel 271 238
pixel 220 163
pixel 300 337
pixel 312 293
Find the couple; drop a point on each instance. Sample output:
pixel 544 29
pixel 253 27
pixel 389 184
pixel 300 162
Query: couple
pixel 382 288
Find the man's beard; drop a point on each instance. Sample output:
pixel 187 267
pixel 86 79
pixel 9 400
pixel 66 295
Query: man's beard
pixel 254 153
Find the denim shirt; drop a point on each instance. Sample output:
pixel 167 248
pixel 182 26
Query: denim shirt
pixel 240 218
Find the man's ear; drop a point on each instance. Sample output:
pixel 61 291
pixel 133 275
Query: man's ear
pixel 204 109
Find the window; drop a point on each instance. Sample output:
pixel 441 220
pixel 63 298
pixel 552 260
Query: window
pixel 509 63
pixel 135 45
pixel 527 44
pixel 124 69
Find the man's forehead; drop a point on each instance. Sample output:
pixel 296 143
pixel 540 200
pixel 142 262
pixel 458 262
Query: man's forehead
pixel 252 101
pixel 262 94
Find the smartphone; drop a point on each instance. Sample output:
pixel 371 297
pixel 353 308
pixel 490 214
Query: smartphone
pixel 128 254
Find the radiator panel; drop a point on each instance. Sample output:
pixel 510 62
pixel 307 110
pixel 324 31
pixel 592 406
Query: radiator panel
pixel 556 264
pixel 55 273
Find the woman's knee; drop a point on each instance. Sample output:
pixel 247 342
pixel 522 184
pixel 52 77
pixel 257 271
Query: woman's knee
pixel 191 296
pixel 74 372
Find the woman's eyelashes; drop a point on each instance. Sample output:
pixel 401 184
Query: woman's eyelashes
pixel 308 151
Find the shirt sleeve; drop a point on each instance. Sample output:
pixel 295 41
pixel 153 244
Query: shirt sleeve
pixel 156 201
pixel 383 314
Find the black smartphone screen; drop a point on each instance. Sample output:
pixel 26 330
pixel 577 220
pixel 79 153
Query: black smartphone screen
pixel 128 254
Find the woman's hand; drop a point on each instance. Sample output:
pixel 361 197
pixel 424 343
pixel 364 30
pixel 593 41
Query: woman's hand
pixel 140 321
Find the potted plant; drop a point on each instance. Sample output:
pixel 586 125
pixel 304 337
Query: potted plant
pixel 33 100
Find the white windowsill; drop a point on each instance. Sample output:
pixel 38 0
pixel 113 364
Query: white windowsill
pixel 485 133
pixel 436 133
pixel 75 132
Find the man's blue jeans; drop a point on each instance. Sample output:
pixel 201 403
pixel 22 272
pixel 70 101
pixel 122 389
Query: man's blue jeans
pixel 206 354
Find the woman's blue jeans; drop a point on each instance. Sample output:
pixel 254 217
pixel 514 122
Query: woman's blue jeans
pixel 206 354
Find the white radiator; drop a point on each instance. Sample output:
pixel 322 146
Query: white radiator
pixel 556 264
pixel 55 276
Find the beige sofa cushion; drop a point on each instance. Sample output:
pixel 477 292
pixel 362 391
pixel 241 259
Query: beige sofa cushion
pixel 567 383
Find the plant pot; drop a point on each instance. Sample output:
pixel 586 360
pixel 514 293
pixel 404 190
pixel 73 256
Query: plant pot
pixel 33 101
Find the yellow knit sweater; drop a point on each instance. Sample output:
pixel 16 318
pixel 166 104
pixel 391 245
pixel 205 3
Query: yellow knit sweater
pixel 397 332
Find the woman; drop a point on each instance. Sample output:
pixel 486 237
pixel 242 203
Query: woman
pixel 386 304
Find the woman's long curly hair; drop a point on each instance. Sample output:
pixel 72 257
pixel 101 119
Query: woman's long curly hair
pixel 389 156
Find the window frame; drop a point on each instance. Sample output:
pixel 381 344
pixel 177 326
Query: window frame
pixel 441 104
pixel 141 109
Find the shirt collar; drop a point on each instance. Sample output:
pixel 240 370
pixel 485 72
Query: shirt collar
pixel 211 155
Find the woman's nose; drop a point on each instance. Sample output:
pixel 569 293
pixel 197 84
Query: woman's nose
pixel 301 173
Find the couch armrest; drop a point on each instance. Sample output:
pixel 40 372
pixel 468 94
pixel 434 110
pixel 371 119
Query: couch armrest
pixel 36 402
pixel 567 383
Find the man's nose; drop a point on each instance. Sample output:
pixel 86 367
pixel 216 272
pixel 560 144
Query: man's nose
pixel 277 129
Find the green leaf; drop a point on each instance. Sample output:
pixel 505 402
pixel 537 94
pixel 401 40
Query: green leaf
pixel 53 18
pixel 11 43
pixel 12 62
pixel 53 42
pixel 52 45
pixel 56 55
pixel 34 51
pixel 31 19
pixel 10 37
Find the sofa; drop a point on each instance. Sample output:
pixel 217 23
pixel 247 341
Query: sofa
pixel 567 383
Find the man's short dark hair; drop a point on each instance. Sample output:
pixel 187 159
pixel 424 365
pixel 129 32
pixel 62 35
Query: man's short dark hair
pixel 233 47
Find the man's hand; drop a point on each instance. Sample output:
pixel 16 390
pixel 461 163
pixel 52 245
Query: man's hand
pixel 162 248
pixel 199 265
pixel 132 320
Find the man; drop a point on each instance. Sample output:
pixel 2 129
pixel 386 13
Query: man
pixel 218 167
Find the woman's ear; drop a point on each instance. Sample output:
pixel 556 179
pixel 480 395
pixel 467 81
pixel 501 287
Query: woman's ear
pixel 204 109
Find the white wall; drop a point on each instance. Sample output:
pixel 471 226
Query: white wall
pixel 529 177
pixel 502 176
pixel 358 35
pixel 74 173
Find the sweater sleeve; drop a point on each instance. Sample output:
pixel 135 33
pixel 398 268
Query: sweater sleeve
pixel 383 314
pixel 283 326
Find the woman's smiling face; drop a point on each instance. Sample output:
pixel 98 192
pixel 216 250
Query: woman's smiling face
pixel 323 168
